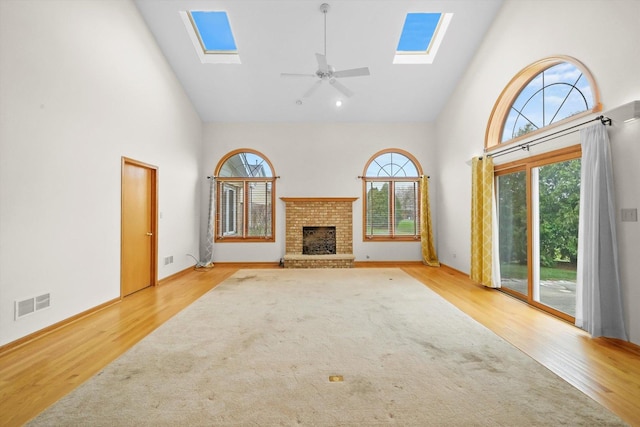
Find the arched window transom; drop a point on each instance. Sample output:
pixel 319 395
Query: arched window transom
pixel 391 164
pixel 546 93
pixel 245 164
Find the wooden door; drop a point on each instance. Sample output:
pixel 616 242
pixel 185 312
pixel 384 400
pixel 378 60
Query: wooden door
pixel 139 240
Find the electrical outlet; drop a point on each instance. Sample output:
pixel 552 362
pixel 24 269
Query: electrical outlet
pixel 629 215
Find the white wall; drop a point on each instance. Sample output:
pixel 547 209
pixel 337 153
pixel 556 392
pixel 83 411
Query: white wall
pixel 317 160
pixel 603 35
pixel 82 84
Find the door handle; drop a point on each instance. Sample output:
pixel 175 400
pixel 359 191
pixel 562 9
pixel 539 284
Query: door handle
pixel 149 234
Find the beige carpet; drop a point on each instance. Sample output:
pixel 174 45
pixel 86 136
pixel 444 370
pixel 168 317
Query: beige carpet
pixel 259 350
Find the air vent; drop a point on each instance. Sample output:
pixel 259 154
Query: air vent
pixel 31 305
pixel 25 307
pixel 43 301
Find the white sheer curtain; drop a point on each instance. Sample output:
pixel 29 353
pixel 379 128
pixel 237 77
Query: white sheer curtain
pixel 207 258
pixel 598 295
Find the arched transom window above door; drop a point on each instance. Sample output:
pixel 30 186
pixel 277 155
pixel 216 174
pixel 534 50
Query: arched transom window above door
pixel 545 94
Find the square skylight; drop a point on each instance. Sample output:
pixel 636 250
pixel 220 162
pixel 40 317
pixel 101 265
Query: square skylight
pixel 211 34
pixel 214 31
pixel 421 37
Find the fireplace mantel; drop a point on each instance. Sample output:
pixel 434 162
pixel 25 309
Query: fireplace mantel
pixel 319 212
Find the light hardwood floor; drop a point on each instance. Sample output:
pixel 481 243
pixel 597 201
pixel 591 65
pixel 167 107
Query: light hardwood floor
pixel 36 374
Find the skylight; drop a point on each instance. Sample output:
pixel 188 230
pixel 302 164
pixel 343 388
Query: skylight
pixel 211 35
pixel 214 31
pixel 421 37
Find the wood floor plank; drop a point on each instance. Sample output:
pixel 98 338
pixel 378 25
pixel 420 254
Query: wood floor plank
pixel 607 370
pixel 35 375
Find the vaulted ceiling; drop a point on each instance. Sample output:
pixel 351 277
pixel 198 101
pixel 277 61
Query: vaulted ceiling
pixel 279 36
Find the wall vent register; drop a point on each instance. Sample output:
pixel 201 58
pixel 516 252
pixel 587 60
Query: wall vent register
pixel 31 305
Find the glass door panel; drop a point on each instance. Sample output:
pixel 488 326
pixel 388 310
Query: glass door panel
pixel 512 222
pixel 555 193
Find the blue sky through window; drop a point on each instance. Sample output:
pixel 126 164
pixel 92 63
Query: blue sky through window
pixel 391 165
pixel 558 92
pixel 417 32
pixel 214 30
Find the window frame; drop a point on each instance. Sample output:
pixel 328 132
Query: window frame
pixel 224 184
pixel 500 112
pixel 228 193
pixel 393 236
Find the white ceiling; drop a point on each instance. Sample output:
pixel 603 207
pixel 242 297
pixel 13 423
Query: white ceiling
pixel 284 35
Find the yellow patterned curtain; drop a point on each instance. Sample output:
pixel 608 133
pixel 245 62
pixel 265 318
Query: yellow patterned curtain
pixel 429 256
pixel 481 219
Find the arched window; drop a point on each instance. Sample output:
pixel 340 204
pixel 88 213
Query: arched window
pixel 544 94
pixel 391 183
pixel 245 194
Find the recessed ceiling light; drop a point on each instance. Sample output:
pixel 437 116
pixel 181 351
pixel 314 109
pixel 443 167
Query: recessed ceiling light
pixel 338 103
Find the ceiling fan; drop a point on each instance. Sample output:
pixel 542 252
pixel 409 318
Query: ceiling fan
pixel 325 71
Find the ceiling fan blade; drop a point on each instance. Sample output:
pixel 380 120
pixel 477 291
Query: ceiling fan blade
pixel 341 88
pixel 353 72
pixel 322 62
pixel 296 75
pixel 312 89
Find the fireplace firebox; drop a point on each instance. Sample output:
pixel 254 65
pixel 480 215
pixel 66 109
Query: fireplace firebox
pixel 318 240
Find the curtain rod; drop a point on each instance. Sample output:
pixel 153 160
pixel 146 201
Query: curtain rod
pixel 421 176
pixel 550 137
pixel 216 177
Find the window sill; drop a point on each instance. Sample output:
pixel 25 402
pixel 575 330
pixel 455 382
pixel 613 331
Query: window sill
pixel 246 240
pixel 391 239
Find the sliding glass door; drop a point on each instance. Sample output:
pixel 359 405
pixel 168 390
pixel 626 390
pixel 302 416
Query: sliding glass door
pixel 556 202
pixel 538 210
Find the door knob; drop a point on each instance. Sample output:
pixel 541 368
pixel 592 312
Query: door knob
pixel 149 234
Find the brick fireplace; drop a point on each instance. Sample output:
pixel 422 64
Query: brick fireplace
pixel 319 212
